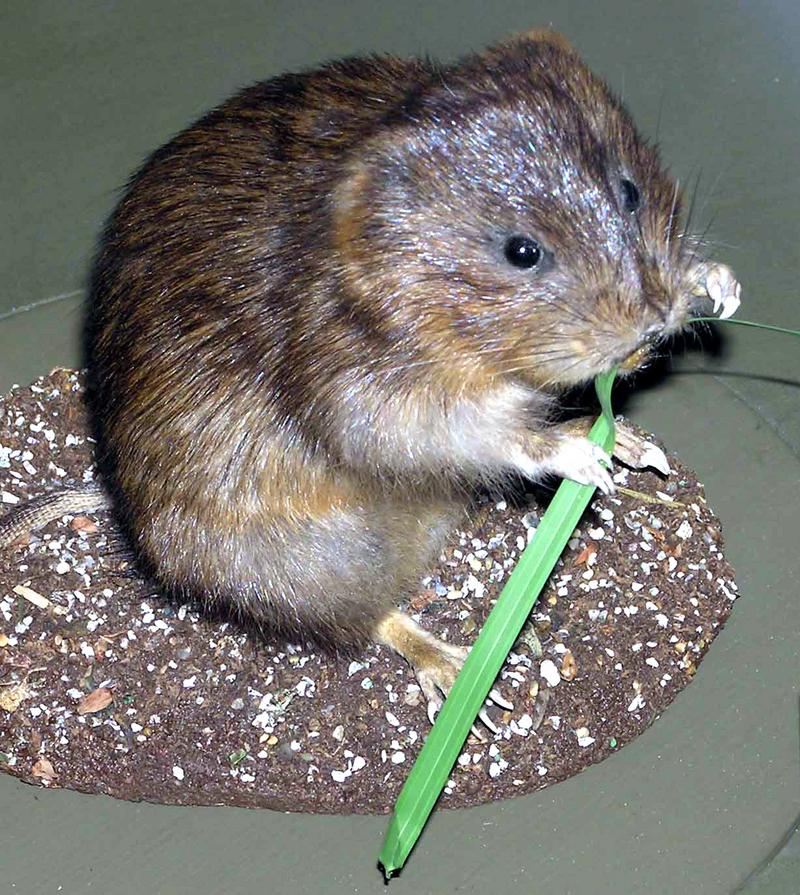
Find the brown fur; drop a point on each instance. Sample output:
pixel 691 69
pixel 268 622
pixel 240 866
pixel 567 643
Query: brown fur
pixel 307 347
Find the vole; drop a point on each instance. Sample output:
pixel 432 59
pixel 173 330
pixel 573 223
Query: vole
pixel 328 311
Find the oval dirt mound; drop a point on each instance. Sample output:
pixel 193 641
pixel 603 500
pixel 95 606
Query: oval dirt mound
pixel 183 709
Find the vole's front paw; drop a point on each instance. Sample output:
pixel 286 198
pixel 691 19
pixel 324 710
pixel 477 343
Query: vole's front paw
pixel 583 461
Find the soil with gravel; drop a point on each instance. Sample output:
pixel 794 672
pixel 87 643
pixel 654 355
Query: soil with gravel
pixel 107 687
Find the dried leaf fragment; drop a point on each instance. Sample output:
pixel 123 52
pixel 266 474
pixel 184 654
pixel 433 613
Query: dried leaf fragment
pixel 12 697
pixel 423 599
pixel 585 555
pixel 569 666
pixel 45 771
pixel 83 524
pixel 98 699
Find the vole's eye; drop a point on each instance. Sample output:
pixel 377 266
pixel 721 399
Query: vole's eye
pixel 631 199
pixel 523 252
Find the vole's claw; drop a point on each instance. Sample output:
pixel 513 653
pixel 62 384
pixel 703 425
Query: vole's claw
pixel 719 283
pixel 636 452
pixel 435 703
pixel 498 699
pixel 483 715
pixel 725 291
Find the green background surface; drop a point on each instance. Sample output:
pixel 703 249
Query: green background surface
pixel 707 795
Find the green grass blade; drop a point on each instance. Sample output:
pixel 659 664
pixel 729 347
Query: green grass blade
pixel 432 767
pixel 737 322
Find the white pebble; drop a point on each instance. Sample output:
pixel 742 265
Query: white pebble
pixel 637 703
pixel 476 587
pixel 549 672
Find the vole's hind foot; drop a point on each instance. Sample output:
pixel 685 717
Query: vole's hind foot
pixel 436 664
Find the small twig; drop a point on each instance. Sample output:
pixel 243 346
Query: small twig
pixel 648 498
pixel 24 680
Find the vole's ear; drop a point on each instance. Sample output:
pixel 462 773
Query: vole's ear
pixel 373 191
pixel 382 177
